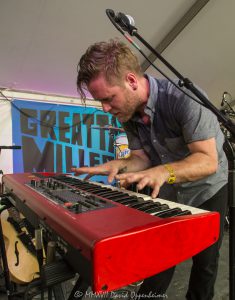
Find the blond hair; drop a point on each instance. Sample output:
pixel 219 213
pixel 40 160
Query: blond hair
pixel 112 59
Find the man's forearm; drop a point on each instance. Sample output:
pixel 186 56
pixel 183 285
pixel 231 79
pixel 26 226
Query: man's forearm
pixel 194 167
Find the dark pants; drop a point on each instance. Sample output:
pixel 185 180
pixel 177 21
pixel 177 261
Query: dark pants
pixel 205 264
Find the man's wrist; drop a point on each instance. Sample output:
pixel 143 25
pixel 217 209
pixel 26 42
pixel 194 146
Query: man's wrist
pixel 172 177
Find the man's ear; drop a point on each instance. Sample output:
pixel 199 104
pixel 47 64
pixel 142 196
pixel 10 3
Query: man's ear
pixel 132 81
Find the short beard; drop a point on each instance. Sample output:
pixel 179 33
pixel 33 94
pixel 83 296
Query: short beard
pixel 132 105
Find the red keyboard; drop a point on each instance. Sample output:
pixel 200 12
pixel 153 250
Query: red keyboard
pixel 111 237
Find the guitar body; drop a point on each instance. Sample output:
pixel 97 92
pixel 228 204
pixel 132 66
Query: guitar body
pixel 25 268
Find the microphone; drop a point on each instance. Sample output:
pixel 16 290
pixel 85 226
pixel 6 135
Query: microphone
pixel 124 22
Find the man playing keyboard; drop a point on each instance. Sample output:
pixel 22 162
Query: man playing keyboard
pixel 176 148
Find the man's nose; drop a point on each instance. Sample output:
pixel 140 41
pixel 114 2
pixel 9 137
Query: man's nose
pixel 106 107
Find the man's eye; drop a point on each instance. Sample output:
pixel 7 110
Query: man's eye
pixel 106 100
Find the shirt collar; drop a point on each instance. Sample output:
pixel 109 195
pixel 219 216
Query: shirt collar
pixel 153 94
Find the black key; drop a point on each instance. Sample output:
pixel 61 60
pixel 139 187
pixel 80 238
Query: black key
pixel 154 209
pixel 127 202
pixel 121 198
pixel 118 196
pixel 149 206
pixel 106 194
pixel 168 213
pixel 94 190
pixel 141 204
pixel 184 213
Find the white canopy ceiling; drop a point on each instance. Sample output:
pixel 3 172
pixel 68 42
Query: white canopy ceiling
pixel 42 41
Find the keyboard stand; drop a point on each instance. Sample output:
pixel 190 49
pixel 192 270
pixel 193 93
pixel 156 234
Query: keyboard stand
pixel 52 274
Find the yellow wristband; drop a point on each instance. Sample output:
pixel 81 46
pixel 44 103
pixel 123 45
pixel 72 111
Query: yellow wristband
pixel 172 178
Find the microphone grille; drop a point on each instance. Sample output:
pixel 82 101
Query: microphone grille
pixel 131 20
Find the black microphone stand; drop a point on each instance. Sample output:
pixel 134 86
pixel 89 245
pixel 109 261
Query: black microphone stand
pixel 227 123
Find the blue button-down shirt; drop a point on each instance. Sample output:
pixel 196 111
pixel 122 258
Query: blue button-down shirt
pixel 177 120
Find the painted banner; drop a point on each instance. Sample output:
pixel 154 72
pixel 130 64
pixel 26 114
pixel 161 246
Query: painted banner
pixel 55 137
